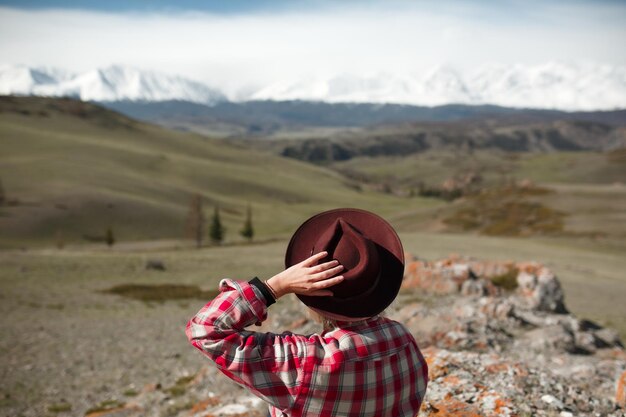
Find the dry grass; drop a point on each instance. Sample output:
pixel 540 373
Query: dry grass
pixel 506 211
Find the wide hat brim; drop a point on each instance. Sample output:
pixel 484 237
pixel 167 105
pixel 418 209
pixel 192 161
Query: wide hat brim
pixel 390 254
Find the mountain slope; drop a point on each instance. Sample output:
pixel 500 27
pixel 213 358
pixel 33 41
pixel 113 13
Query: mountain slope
pixel 72 169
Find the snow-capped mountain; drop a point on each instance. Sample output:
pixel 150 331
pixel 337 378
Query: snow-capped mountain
pixel 113 83
pixel 547 86
pixel 555 85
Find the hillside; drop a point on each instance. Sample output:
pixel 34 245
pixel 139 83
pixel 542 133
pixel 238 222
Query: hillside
pixel 71 169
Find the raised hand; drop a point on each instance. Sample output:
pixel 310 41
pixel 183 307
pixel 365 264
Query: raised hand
pixel 307 278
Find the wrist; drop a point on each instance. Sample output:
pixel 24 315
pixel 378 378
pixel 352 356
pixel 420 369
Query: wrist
pixel 276 286
pixel 267 294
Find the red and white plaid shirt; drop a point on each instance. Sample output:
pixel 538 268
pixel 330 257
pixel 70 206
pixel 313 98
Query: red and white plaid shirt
pixel 368 368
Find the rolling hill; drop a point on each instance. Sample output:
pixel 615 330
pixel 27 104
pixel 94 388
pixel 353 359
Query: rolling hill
pixel 71 169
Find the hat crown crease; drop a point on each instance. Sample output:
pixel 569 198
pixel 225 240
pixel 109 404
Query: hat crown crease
pixel 355 252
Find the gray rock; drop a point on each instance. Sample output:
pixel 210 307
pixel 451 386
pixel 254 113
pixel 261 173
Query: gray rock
pixel 541 291
pixel 474 287
pixel 555 337
pixel 607 338
pixel 155 264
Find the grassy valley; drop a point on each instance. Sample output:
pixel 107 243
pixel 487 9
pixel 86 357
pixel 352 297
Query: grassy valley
pixel 71 169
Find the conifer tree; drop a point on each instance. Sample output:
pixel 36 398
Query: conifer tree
pixel 60 241
pixel 216 233
pixel 195 220
pixel 248 230
pixel 109 238
pixel 2 195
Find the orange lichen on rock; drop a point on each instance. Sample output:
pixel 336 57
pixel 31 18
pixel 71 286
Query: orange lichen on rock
pixel 494 404
pixel 451 407
pixel 529 267
pixel 437 365
pixel 204 404
pixel 495 368
pixel 451 380
pixel 620 395
pixel 440 278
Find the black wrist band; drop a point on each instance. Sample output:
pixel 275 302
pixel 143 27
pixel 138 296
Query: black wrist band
pixel 269 298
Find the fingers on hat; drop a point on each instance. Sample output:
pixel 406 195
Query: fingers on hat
pixel 323 267
pixel 311 260
pixel 327 274
pixel 325 283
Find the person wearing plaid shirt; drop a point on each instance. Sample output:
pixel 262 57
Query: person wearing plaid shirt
pixel 364 366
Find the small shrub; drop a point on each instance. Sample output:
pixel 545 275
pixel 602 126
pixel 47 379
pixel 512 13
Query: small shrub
pixel 216 233
pixel 248 230
pixel 504 211
pixel 109 237
pixel 106 405
pixel 161 292
pixel 60 407
pixel 130 393
pixel 617 156
pixel 506 281
pixel 180 386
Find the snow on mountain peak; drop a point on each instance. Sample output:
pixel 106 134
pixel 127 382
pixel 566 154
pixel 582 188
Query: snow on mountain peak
pixel 551 85
pixel 112 83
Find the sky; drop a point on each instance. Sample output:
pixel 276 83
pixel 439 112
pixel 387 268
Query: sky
pixel 236 44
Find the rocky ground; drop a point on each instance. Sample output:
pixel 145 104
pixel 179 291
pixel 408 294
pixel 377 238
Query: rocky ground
pixel 497 336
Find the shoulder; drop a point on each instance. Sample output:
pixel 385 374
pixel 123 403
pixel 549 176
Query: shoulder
pixel 373 339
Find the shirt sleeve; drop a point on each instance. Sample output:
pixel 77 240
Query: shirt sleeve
pixel 266 363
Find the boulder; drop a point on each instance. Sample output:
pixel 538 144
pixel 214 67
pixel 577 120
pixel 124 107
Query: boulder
pixel 539 289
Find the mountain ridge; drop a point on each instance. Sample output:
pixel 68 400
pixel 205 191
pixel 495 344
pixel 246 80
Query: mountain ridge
pixel 305 118
pixel 112 83
pixel 551 85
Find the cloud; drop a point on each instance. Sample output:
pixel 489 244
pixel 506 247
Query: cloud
pixel 232 51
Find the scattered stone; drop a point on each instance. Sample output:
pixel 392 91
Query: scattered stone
pixel 155 264
pixel 552 401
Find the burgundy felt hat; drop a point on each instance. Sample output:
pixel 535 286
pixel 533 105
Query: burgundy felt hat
pixel 368 248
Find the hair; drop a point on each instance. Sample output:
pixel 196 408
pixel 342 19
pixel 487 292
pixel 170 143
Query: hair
pixel 327 324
